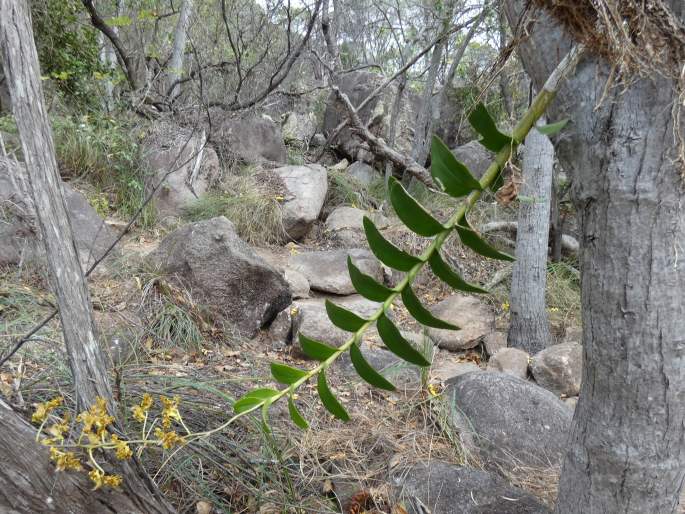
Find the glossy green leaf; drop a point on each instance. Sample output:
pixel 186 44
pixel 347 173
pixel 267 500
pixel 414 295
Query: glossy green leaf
pixel 411 212
pixel 552 128
pixel 385 251
pixel 445 273
pixel 342 318
pixel 367 285
pixel 420 313
pixel 315 349
pixel 329 400
pixel 469 238
pixel 253 398
pixel 366 371
pixel 295 414
pixel 455 178
pixel 397 344
pixel 491 137
pixel 286 374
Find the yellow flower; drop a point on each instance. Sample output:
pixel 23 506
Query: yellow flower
pixel 168 439
pixel 505 306
pixel 170 410
pixel 43 409
pixel 433 390
pixel 140 411
pixel 58 430
pixel 96 418
pixel 99 479
pixel 123 452
pixel 65 461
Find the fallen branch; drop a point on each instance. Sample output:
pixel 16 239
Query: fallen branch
pixel 379 147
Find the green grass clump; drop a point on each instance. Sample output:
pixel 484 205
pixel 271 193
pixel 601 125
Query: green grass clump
pixel 345 190
pixel 174 326
pixel 253 207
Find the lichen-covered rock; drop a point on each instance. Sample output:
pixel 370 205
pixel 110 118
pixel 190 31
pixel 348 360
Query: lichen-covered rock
pixel 223 273
pixel 446 488
pixel 467 312
pixel 307 187
pixel 559 368
pixel 508 421
pixel 252 139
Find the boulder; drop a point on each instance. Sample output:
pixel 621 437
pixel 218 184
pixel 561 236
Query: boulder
pixel 357 86
pixel 20 231
pixel 298 127
pixel 510 360
pixel 559 368
pixel 326 270
pixel 310 318
pixel 475 156
pixel 186 166
pixel 494 341
pixel 280 330
pixel 445 369
pixel 223 273
pixel 318 140
pixel 508 421
pixel 299 285
pixel 446 488
pixel 344 226
pixel 362 173
pixel 252 139
pixel 467 312
pixel 307 187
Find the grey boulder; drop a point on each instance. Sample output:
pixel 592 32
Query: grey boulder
pixel 467 312
pixel 326 270
pixel 474 156
pixel 559 368
pixel 450 489
pixel 306 191
pixel 223 273
pixel 510 360
pixel 20 231
pixel 252 139
pixel 362 172
pixel 507 421
pixel 344 226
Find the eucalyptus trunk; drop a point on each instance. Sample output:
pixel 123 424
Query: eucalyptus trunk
pixel 529 326
pixel 627 444
pixel 178 50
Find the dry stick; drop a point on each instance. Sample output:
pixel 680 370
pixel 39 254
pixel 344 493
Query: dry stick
pixel 379 147
pixel 382 86
pixel 29 336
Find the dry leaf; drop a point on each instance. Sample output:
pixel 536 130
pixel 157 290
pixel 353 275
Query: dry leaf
pixel 203 507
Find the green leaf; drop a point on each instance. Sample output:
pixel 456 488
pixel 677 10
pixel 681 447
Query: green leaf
pixel 344 319
pixel 286 374
pixel 315 349
pixel 366 371
pixel 295 414
pixel 366 285
pixel 253 398
pixel 482 122
pixel 469 237
pixel 411 212
pixel 385 251
pixel 450 277
pixel 398 344
pixel 552 128
pixel 420 313
pixel 455 178
pixel 329 400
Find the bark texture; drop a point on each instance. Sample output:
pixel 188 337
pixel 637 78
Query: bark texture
pixel 529 326
pixel 178 50
pixel 627 447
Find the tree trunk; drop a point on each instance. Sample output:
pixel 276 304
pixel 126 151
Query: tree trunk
pixel 627 446
pixel 529 326
pixel 556 222
pixel 178 51
pixel 20 62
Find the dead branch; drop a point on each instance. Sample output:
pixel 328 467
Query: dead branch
pixel 379 147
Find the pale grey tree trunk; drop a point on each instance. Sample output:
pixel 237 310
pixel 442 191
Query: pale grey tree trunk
pixel 627 445
pixel 20 63
pixel 178 50
pixel 529 326
pixel 108 61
